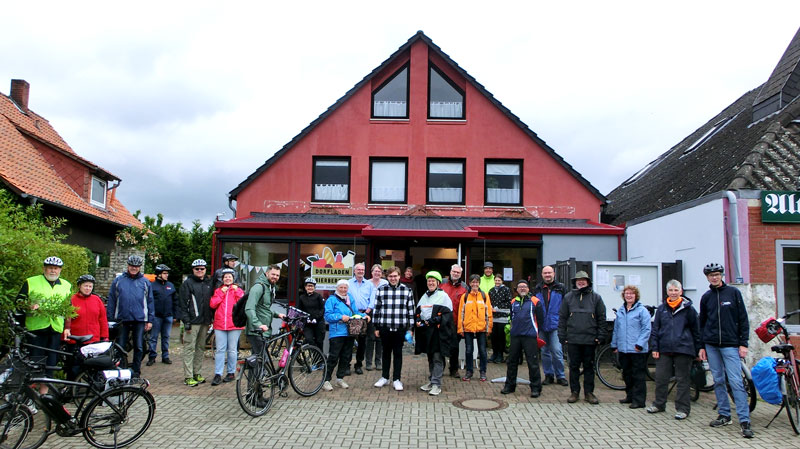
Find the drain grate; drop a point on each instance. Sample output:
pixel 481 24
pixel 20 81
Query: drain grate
pixel 480 404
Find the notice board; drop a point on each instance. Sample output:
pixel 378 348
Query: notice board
pixel 609 279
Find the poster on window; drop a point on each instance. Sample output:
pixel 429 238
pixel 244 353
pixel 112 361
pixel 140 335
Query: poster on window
pixel 327 268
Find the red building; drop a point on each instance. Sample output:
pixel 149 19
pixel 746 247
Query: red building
pixel 417 165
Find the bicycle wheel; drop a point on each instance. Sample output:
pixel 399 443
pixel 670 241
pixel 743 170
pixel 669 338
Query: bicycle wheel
pixel 749 388
pixel 255 388
pixel 791 401
pixel 608 368
pixel 38 433
pixel 307 370
pixel 106 428
pixel 15 425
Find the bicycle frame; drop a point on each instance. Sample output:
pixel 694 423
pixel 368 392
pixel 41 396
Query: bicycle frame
pixel 787 368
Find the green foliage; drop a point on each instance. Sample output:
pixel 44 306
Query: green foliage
pixel 54 306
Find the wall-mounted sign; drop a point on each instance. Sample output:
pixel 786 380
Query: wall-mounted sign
pixel 780 207
pixel 329 267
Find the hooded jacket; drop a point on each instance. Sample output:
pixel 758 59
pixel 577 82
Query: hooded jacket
pixel 164 298
pixel 259 307
pixel 631 329
pixel 193 301
pixel 222 303
pixel 475 313
pixel 335 309
pixel 582 317
pixel 454 292
pixel 130 298
pixel 676 331
pixel 436 333
pixel 723 317
pixel 525 312
pixel 551 309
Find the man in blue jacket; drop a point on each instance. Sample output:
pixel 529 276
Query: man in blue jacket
pixel 724 330
pixel 550 293
pixel 163 296
pixel 130 300
pixel 526 313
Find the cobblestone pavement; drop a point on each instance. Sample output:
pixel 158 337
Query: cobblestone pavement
pixel 368 417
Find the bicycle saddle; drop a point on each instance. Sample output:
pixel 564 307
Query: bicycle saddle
pixel 784 348
pixel 80 338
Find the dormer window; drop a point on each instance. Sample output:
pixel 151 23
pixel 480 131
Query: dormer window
pixel 445 98
pixel 98 194
pixel 390 99
pixel 709 134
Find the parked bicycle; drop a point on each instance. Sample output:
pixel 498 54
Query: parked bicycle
pixel 300 365
pixel 788 369
pixel 112 413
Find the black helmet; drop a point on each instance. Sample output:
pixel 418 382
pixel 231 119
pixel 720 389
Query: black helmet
pixel 160 268
pixel 135 261
pixel 227 256
pixel 225 271
pixel 713 268
pixel 85 278
pixel 309 280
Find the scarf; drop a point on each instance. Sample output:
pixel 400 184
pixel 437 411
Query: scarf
pixel 674 303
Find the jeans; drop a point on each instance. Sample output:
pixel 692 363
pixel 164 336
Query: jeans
pixel 194 344
pixel 435 367
pixel 529 346
pixel 724 361
pixel 634 372
pixel 340 351
pixel 552 355
pixel 468 339
pixel 227 343
pixel 161 326
pixel 134 329
pixel 392 343
pixel 581 355
pixel 683 365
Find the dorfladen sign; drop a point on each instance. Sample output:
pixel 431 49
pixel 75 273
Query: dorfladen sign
pixel 780 207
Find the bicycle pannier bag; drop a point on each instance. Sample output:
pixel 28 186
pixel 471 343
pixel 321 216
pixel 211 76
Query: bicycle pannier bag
pixel 766 380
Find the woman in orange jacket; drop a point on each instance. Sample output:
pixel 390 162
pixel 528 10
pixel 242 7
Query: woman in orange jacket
pixel 475 323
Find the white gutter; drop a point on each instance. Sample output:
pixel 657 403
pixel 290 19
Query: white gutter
pixel 733 216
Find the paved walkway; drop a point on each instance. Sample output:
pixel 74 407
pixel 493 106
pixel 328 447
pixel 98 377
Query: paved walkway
pixel 367 417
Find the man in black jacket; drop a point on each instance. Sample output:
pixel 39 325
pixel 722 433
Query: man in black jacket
pixel 582 325
pixel 163 299
pixel 194 310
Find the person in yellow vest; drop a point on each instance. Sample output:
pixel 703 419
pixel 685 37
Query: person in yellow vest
pixel 47 330
pixel 487 280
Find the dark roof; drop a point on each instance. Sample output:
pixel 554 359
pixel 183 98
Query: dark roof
pixel 728 152
pixel 418 36
pixel 783 74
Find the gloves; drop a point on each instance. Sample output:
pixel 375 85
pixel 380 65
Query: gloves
pixel 435 320
pixel 187 326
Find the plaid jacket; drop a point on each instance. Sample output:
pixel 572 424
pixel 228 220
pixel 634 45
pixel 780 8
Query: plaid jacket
pixel 394 308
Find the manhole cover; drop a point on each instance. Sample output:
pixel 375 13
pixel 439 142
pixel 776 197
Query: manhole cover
pixel 480 404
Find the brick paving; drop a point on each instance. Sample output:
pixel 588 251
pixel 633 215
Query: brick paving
pixel 367 417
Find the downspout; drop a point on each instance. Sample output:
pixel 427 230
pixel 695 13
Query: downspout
pixel 231 207
pixel 733 216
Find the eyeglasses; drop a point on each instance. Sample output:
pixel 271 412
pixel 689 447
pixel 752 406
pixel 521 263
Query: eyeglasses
pixel 199 268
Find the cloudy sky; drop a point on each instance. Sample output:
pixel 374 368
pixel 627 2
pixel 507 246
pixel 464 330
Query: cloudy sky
pixel 184 100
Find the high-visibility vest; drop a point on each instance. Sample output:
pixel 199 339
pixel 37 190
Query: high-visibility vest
pixel 40 286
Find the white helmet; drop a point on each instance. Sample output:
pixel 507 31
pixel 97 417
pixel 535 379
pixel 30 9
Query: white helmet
pixel 55 261
pixel 199 263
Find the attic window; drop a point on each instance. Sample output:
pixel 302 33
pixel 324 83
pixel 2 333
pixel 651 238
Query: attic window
pixel 446 100
pixel 98 196
pixel 390 99
pixel 638 175
pixel 709 134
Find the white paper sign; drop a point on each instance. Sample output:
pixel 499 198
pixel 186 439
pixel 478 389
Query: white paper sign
pixel 634 279
pixel 602 277
pixel 508 274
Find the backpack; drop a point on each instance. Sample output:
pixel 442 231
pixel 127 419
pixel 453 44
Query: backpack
pixel 239 317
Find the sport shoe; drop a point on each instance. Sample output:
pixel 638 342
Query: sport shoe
pixel 654 409
pixel 435 390
pixel 681 415
pixel 342 383
pixel 562 381
pixel 381 382
pixel 573 398
pixel 467 376
pixel 230 377
pixel 398 386
pixel 216 380
pixel 151 362
pixel 483 377
pixel 200 379
pixel 591 398
pixel 721 420
pixel 327 386
pixel 190 381
pixel 426 387
pixel 747 432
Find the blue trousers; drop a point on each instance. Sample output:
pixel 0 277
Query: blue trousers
pixel 469 337
pixel 227 343
pixel 724 361
pixel 552 355
pixel 161 326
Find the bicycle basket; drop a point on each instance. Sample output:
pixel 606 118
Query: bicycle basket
pixel 766 331
pixel 295 313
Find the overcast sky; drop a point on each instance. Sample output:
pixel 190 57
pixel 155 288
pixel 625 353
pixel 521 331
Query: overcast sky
pixel 184 100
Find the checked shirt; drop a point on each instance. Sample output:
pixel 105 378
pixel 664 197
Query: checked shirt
pixel 394 308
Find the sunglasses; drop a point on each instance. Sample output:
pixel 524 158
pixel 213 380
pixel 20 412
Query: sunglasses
pixel 199 268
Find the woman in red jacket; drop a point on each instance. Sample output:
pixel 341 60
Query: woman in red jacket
pixel 91 319
pixel 226 334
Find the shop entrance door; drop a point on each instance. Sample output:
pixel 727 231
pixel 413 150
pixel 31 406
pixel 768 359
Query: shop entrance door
pixel 422 257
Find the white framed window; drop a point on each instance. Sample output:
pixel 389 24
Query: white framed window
pixel 387 180
pixel 98 193
pixel 787 264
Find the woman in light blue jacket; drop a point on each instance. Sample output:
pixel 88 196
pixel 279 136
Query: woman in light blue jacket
pixel 631 336
pixel 339 308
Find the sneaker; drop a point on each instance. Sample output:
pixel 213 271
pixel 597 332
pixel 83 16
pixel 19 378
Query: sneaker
pixel 230 377
pixel 562 381
pixel 747 432
pixel 327 386
pixel 200 379
pixel 467 376
pixel 31 406
pixel 190 381
pixel 681 416
pixel 426 387
pixel 216 380
pixel 654 409
pixel 435 390
pixel 548 380
pixel 167 361
pixel 342 383
pixel 398 386
pixel 483 377
pixel 151 362
pixel 369 367
pixel 721 420
pixel 382 382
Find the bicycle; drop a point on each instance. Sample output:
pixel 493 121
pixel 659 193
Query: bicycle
pixel 118 409
pixel 788 369
pixel 301 365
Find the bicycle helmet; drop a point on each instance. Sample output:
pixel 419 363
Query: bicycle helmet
pixel 55 261
pixel 85 278
pixel 713 268
pixel 225 271
pixel 310 281
pixel 160 268
pixel 226 257
pixel 435 275
pixel 135 261
pixel 199 263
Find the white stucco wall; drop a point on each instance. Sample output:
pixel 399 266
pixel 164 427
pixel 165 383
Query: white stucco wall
pixel 581 247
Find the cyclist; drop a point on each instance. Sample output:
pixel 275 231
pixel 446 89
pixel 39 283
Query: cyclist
pixel 435 330
pixel 228 262
pixel 164 300
pixel 312 303
pixel 724 331
pixel 194 311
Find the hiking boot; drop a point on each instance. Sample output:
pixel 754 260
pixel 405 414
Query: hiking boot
pixel 591 398
pixel 200 379
pixel 563 382
pixel 508 389
pixel 151 362
pixel 426 387
pixel 230 377
pixel 190 381
pixel 435 390
pixel 548 380
pixel 573 398
pixel 342 383
pixel 167 361
pixel 721 420
pixel 327 386
pixel 216 380
pixel 381 382
pixel 535 393
pixel 747 432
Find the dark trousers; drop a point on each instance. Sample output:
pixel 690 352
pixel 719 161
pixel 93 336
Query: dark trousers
pixel 682 365
pixel 581 355
pixel 315 334
pixel 634 372
pixel 470 339
pixel 392 347
pixel 520 344
pixel 373 346
pixel 454 354
pixel 256 344
pixel 46 338
pixel 498 340
pixel 340 351
pixel 135 331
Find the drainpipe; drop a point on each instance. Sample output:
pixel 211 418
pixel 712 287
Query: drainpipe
pixel 733 216
pixel 231 207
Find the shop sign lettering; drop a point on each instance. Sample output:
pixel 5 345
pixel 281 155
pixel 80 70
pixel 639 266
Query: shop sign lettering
pixel 780 207
pixel 329 267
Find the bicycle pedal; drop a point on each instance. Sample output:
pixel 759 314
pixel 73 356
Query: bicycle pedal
pixel 284 394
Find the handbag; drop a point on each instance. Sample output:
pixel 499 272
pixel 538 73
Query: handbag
pixel 356 327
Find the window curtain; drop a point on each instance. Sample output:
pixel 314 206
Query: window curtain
pixel 389 108
pixel 388 182
pixel 445 194
pixel 505 195
pixel 447 109
pixel 330 192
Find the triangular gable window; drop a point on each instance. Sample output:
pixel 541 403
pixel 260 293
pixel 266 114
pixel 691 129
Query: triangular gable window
pixel 446 100
pixel 390 99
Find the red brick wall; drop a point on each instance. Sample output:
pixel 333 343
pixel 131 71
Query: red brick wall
pixel 74 173
pixel 762 245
